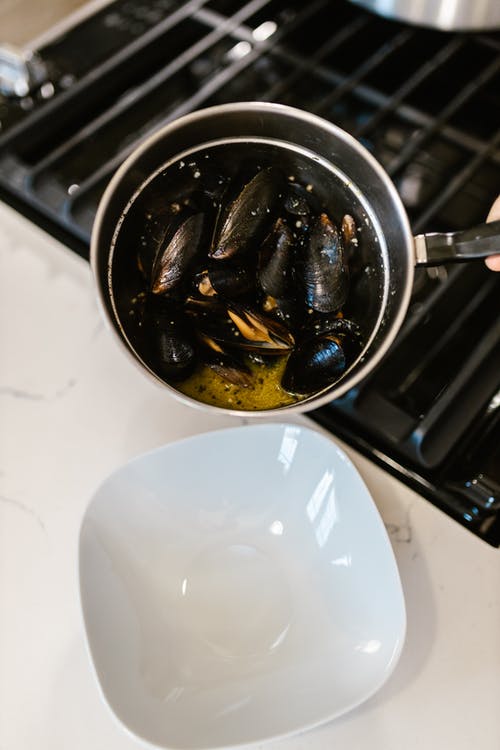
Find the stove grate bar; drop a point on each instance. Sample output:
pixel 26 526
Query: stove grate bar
pixel 457 183
pixel 303 66
pixel 398 98
pixel 351 81
pixel 405 112
pixel 419 138
pixel 101 75
pixel 134 97
pixel 195 101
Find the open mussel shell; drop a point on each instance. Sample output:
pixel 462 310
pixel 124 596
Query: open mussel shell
pixel 239 327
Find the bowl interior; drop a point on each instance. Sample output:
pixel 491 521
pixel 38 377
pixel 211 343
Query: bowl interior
pixel 238 586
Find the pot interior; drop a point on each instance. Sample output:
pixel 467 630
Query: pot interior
pixel 345 178
pixel 145 220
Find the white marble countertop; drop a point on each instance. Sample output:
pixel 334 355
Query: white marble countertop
pixel 72 408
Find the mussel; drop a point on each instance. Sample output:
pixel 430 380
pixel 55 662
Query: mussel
pixel 320 324
pixel 225 280
pixel 239 327
pixel 275 261
pixel 325 273
pixel 177 254
pixel 248 216
pixel 171 340
pixel 260 331
pixel 314 364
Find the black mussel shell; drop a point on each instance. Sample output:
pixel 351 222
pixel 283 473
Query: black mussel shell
pixel 325 275
pixel 320 324
pixel 171 340
pixel 300 202
pixel 275 260
pixel 177 254
pixel 225 280
pixel 247 219
pixel 285 310
pixel 313 365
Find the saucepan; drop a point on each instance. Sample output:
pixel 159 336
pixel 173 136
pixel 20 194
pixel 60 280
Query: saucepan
pixel 319 155
pixel 448 15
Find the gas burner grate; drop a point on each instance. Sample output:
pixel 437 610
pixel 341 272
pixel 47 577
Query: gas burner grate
pixel 410 95
pixel 425 103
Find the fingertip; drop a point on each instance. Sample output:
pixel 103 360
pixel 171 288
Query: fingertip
pixel 493 262
pixel 494 211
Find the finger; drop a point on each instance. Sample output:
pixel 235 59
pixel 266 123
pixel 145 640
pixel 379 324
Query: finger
pixel 493 262
pixel 494 211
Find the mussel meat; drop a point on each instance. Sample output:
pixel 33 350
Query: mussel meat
pixel 239 327
pixel 261 330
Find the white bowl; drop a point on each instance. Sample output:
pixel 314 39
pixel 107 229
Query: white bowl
pixel 238 586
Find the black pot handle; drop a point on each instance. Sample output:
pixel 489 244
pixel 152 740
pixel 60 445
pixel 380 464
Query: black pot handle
pixel 469 244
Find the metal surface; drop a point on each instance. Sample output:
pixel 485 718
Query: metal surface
pixel 449 15
pixel 469 244
pixel 20 71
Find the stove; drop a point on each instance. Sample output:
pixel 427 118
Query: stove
pixel 425 103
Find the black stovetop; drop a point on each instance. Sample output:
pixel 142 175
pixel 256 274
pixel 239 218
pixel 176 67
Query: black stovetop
pixel 426 104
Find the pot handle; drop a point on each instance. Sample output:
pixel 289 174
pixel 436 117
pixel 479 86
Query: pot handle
pixel 469 244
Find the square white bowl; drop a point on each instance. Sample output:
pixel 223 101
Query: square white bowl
pixel 238 586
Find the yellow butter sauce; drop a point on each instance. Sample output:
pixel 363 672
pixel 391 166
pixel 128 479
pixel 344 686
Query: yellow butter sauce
pixel 265 393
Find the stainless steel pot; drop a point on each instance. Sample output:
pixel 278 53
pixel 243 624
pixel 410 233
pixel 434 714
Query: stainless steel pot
pixel 346 176
pixel 448 15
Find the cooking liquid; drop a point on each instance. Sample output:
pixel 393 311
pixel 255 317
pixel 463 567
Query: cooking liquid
pixel 266 393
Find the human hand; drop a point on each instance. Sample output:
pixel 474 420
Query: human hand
pixel 493 262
